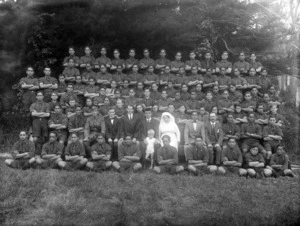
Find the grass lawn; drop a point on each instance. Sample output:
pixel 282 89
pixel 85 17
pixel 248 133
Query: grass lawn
pixel 51 197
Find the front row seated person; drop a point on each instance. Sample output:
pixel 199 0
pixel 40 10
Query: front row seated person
pixel 279 164
pixel 101 155
pixel 197 157
pixel 232 159
pixel 51 153
pixel 74 155
pixel 255 163
pixel 129 156
pixel 167 158
pixel 22 152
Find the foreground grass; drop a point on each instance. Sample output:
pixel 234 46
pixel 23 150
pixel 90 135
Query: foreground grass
pixel 52 197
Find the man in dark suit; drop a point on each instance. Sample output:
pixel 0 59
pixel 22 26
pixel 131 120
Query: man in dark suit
pixel 214 139
pixel 148 123
pixel 112 133
pixel 193 128
pixel 130 123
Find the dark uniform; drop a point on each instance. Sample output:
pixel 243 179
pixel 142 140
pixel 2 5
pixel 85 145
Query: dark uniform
pixel 73 149
pixel 168 153
pixel 47 92
pixel 270 145
pixel 77 121
pixel 50 148
pixel 128 150
pixel 59 118
pixel 22 146
pixel 29 96
pixel 100 149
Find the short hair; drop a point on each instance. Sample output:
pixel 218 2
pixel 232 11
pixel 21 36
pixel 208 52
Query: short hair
pixel 23 131
pixel 100 135
pixel 116 50
pixel 61 75
pixel 39 92
pixel 148 109
pixel 212 113
pixel 166 136
pixel 53 132
pixel 231 138
pixel 194 112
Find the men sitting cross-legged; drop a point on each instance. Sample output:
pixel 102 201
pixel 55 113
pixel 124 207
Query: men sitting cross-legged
pixel 255 163
pixel 74 154
pixel 232 159
pixel 51 153
pixel 197 157
pixel 101 154
pixel 167 158
pixel 129 156
pixel 279 163
pixel 22 152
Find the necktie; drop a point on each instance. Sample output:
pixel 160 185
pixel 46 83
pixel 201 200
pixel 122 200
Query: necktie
pixel 213 125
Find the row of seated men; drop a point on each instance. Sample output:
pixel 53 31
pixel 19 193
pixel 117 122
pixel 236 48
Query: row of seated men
pixel 88 60
pixel 166 157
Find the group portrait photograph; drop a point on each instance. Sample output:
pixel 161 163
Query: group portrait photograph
pixel 149 112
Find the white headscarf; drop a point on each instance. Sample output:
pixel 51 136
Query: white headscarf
pixel 172 119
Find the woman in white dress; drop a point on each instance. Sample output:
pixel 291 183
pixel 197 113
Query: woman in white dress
pixel 168 126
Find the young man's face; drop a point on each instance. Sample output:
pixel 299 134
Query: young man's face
pixel 264 73
pixel 117 94
pixel 260 109
pixel 209 96
pixel 146 53
pixel 129 109
pixel 150 69
pixel 212 117
pixel 223 71
pixel 87 51
pixel 30 71
pixel 72 103
pixel 171 108
pixel 232 89
pixel 164 94
pixel 272 121
pixel 170 85
pixel 54 96
pixel 216 89
pixel 248 97
pixel 103 69
pixel 193 95
pixel 202 111
pixel 73 138
pixel 178 56
pixel 231 143
pixel 78 80
pixel 140 86
pixel 182 109
pixel 167 70
pixel 236 72
pixel 47 71
pixel 148 114
pixel 194 71
pixel 69 88
pixel 132 53
pixel 184 88
pixel 254 91
pixel 89 102
pixel 111 113
pixel 39 96
pixel 92 82
pixel 280 150
pixel 254 151
pixel 119 69
pixel 154 87
pixel 128 140
pixel 274 109
pixel 181 71
pixel 131 93
pixel 242 57
pixel 106 101
pixel 102 91
pixel 78 111
pixel 252 72
pixel 57 109
pixel 113 84
pixel 162 53
pixel 119 103
pixel 88 67
pixel 177 96
pixel 225 94
pixel 100 139
pixel 103 51
pixel 155 108
pixel 52 137
pixel 192 56
pixel 266 98
pixel 198 142
pixel 22 135
pixel 214 110
pixel 194 116
pixel 135 68
pixel 71 63
pixel 230 118
pixel 95 112
pixel 251 118
pixel 139 108
pixel 253 57
pixel 207 56
pixel 116 54
pixel 238 109
pixel 166 141
pixel 224 56
pixel 61 79
pixel 71 51
pixel 198 87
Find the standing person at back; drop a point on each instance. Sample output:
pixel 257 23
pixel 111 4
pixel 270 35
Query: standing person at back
pixel 112 134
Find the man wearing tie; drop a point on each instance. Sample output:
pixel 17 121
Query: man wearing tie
pixel 214 138
pixel 112 125
pixel 193 128
pixel 146 124
pixel 130 123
